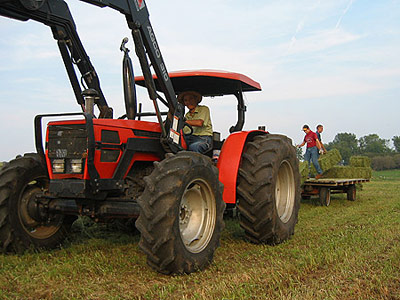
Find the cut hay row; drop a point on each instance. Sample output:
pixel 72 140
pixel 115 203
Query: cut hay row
pixel 360 161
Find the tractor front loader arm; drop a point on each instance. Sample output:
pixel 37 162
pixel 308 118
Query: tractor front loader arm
pixel 56 15
pixel 137 17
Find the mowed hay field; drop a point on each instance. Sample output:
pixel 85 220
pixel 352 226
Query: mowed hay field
pixel 349 250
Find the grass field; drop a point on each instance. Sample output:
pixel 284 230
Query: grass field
pixel 349 250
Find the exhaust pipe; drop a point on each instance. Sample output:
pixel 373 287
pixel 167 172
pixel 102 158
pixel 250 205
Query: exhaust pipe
pixel 129 83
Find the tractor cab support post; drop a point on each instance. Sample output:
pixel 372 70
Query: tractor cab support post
pixel 241 108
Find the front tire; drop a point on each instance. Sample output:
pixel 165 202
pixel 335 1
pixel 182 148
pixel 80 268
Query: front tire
pixel 269 189
pixel 20 181
pixel 181 214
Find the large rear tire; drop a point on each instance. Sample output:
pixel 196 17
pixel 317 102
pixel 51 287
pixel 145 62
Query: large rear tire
pixel 181 213
pixel 20 181
pixel 269 189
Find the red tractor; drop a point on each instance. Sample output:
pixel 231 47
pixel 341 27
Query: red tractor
pixel 136 170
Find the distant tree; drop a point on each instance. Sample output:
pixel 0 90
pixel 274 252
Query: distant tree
pixel 396 159
pixel 379 163
pixel 396 142
pixel 347 145
pixel 373 144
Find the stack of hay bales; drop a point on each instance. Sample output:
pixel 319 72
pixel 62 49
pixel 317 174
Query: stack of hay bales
pixel 303 168
pixel 348 172
pixel 360 161
pixel 328 160
pixel 360 167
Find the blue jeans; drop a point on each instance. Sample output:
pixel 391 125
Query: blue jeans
pixel 198 143
pixel 312 156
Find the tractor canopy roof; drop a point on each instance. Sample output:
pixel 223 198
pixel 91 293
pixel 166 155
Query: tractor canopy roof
pixel 207 82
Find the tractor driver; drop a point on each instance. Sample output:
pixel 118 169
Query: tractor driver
pixel 198 117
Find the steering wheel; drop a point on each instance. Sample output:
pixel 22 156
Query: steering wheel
pixel 189 126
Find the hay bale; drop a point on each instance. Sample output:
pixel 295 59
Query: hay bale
pixel 303 169
pixel 348 172
pixel 328 160
pixel 360 161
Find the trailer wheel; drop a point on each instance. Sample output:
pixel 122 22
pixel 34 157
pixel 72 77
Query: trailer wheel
pixel 181 213
pixel 269 189
pixel 351 192
pixel 20 181
pixel 325 196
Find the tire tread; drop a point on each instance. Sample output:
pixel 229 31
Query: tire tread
pixel 256 199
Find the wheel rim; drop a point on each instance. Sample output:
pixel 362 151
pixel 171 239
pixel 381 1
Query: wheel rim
pixel 328 199
pixel 37 230
pixel 197 215
pixel 285 191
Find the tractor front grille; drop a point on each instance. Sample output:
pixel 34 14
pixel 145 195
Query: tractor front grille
pixel 67 148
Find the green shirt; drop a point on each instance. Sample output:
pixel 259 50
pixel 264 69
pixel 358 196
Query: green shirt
pixel 201 112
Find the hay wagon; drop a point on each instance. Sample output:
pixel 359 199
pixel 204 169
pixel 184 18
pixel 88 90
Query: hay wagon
pixel 327 186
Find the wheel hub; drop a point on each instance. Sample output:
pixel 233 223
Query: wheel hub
pixel 30 214
pixel 34 220
pixel 184 215
pixel 285 191
pixel 197 215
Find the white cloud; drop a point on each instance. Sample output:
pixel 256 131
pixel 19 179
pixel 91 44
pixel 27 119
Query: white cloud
pixel 322 40
pixel 344 12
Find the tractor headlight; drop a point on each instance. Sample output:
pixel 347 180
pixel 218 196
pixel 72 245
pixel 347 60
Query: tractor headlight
pixel 58 166
pixel 76 165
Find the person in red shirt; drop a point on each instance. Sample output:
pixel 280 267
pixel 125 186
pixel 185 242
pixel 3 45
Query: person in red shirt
pixel 313 146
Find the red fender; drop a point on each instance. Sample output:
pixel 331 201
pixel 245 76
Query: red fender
pixel 229 161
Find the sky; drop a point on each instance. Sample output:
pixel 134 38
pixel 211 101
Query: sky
pixel 331 62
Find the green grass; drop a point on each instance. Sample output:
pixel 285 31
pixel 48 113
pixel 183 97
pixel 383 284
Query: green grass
pixel 349 250
pixel 387 175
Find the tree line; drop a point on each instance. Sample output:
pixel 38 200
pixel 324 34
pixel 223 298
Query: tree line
pixel 382 156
